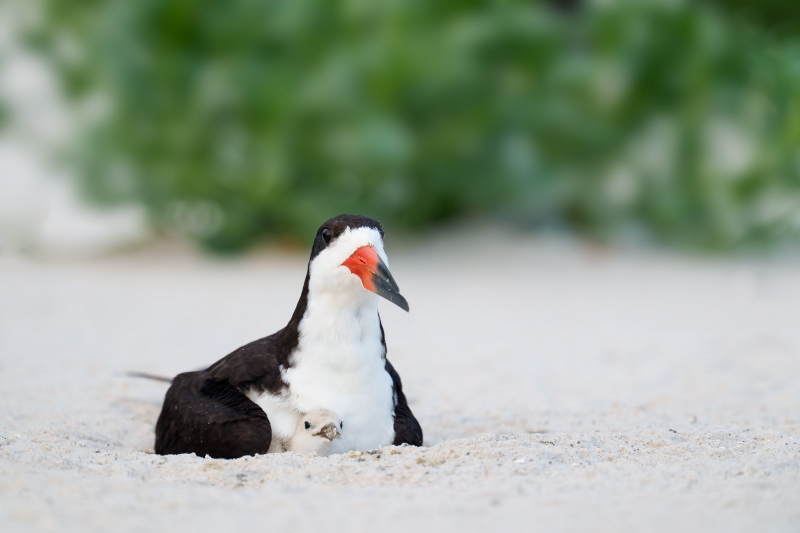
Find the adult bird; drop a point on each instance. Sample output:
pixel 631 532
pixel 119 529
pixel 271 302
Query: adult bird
pixel 331 355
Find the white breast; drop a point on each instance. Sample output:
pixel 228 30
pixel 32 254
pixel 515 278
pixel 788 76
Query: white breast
pixel 338 365
pixel 348 378
pixel 360 393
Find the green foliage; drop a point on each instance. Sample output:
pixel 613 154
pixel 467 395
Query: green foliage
pixel 774 16
pixel 249 118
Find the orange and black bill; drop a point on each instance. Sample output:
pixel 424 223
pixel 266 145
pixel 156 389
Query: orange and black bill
pixel 375 276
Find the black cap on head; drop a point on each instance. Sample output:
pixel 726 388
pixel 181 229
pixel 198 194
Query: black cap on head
pixel 334 227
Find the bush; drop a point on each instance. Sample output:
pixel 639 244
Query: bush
pixel 247 118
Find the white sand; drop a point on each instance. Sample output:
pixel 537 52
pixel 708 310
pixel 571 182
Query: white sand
pixel 559 388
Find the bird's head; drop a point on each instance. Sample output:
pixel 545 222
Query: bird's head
pixel 322 423
pixel 348 257
pixel 316 430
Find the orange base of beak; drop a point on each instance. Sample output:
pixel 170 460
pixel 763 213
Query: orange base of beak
pixel 364 263
pixel 375 276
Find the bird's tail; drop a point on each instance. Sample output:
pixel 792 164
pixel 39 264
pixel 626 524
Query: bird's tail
pixel 148 376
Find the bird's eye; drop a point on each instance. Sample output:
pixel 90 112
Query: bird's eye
pixel 341 425
pixel 308 426
pixel 326 234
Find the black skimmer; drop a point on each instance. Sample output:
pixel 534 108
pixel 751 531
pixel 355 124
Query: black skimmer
pixel 331 355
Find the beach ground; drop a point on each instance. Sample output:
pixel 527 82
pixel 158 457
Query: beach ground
pixel 560 386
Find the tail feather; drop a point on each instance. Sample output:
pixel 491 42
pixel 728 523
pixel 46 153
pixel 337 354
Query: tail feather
pixel 148 376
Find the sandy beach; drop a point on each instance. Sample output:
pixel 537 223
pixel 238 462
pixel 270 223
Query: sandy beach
pixel 560 387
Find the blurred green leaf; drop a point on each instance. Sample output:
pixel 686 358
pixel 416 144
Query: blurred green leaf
pixel 239 120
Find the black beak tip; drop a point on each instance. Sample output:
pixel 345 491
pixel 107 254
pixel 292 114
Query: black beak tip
pixel 402 303
pixel 386 287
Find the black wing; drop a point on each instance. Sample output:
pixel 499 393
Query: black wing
pixel 406 428
pixel 205 416
pixel 206 413
pixel 255 365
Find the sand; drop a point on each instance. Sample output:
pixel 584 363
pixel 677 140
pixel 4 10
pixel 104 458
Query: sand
pixel 559 386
